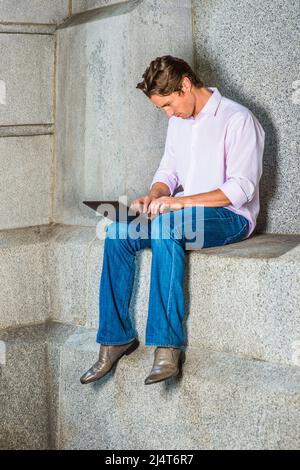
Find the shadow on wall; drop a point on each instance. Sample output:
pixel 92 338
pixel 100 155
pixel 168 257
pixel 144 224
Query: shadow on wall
pixel 269 179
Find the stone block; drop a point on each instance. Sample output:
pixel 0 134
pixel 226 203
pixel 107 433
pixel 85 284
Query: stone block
pixel 27 79
pixel 112 138
pixel 243 48
pixel 24 296
pixel 26 181
pixel 39 11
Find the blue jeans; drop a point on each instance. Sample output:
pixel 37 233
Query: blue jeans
pixel 168 236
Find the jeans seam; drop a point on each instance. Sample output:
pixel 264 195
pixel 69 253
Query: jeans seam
pixel 128 291
pixel 171 283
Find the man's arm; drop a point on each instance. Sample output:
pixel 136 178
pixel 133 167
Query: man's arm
pixel 245 146
pixel 159 189
pixel 215 198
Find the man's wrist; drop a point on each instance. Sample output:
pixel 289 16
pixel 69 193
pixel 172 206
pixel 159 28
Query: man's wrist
pixel 155 194
pixel 159 189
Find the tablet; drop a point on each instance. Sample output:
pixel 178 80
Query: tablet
pixel 115 211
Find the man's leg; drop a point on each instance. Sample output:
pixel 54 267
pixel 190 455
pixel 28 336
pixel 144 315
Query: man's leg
pixel 166 298
pixel 171 233
pixel 118 270
pixel 115 333
pixel 200 227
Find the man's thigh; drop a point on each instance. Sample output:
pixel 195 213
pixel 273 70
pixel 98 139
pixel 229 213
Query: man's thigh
pixel 200 227
pixel 222 226
pixel 136 233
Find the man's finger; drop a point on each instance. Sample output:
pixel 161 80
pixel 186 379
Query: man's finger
pixel 146 204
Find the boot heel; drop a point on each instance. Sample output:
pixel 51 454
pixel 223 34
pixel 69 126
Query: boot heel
pixel 182 357
pixel 132 348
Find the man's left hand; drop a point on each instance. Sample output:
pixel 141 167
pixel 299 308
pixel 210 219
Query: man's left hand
pixel 165 204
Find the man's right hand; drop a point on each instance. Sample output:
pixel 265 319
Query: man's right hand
pixel 141 203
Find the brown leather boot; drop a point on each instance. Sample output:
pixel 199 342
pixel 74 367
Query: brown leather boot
pixel 109 355
pixel 167 363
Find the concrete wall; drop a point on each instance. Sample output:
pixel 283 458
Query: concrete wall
pixel 34 11
pixel 79 6
pixel 109 137
pixel 25 180
pixel 26 119
pixel 250 51
pixel 27 70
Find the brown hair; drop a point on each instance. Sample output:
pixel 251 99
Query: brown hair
pixel 164 76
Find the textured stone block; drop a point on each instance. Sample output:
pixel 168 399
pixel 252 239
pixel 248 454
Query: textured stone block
pixel 69 264
pixel 26 180
pixel 37 11
pixel 245 306
pixel 27 71
pixel 243 48
pixel 220 402
pixel 24 390
pixel 111 140
pixel 241 298
pixel 79 6
pixel 56 336
pixel 24 295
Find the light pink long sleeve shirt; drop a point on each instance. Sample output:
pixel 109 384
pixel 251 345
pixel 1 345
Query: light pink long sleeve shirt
pixel 221 148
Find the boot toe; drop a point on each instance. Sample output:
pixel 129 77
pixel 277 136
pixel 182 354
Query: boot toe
pixel 87 377
pixel 159 376
pixel 167 364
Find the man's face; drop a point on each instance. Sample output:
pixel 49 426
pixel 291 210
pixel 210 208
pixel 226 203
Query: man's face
pixel 176 105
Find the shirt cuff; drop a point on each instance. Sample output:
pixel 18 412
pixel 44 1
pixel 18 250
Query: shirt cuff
pixel 169 181
pixel 234 192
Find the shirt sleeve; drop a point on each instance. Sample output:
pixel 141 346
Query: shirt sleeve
pixel 166 172
pixel 243 162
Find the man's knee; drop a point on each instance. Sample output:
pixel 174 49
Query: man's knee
pixel 167 226
pixel 116 230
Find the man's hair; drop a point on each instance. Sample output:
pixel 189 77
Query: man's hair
pixel 164 76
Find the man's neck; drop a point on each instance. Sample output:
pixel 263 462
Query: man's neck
pixel 202 96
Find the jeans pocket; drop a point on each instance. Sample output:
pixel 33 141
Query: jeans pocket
pixel 238 236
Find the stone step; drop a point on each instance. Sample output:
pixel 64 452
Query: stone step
pixel 24 389
pixel 221 401
pixel 30 384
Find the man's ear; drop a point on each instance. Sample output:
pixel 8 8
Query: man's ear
pixel 186 84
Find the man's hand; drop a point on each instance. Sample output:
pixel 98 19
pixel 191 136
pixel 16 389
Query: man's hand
pixel 141 203
pixel 166 204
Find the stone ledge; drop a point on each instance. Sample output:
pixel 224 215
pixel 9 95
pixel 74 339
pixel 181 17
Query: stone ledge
pixel 221 401
pixel 241 298
pixel 264 246
pixel 237 300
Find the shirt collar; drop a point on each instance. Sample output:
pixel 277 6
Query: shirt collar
pixel 211 105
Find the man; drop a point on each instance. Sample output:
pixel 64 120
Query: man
pixel 214 149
